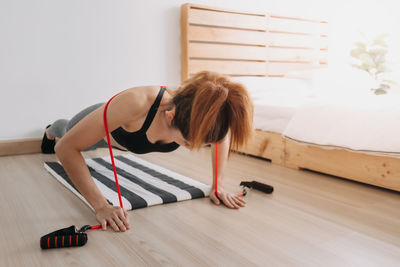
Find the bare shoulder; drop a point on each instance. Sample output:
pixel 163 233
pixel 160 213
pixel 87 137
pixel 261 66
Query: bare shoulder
pixel 136 100
pixel 143 91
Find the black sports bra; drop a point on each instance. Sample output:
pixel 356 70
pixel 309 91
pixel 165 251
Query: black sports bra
pixel 137 142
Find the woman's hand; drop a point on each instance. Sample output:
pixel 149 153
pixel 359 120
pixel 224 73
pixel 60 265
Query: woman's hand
pixel 116 217
pixel 230 200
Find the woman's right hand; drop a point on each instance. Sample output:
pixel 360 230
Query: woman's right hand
pixel 116 217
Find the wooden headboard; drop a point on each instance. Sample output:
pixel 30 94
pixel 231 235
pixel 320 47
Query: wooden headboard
pixel 239 43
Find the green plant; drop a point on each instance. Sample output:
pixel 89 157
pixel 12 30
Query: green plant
pixel 371 57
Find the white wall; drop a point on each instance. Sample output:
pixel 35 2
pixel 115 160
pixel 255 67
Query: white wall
pixel 59 56
pixel 373 17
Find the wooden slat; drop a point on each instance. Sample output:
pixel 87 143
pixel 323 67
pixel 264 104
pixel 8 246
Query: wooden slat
pixel 324 29
pixel 290 54
pixel 267 145
pixel 224 19
pixel 280 68
pixel 293 40
pixel 280 24
pixel 323 56
pixel 220 35
pixel 226 10
pixel 323 43
pixel 372 169
pixel 314 19
pixel 228 67
pixel 184 42
pixel 219 51
pixel 220 40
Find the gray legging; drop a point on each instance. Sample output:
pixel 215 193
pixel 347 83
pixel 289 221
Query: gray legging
pixel 60 127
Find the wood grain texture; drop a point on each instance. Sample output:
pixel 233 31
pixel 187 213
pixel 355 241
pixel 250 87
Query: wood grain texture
pixel 184 42
pixel 228 67
pixel 198 33
pixel 224 51
pixel 266 145
pixel 226 19
pixel 377 170
pixel 215 33
pixel 293 54
pixel 20 146
pixel 309 220
pixel 225 41
pixel 295 25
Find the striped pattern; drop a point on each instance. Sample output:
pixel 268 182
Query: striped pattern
pixel 141 183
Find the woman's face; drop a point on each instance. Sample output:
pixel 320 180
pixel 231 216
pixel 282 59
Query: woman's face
pixel 176 134
pixel 179 139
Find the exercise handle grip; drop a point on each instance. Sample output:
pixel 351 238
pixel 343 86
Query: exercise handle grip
pixel 63 238
pixel 262 187
pixel 63 241
pixel 258 186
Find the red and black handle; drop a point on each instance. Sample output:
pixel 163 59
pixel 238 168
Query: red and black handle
pixel 268 189
pixel 66 237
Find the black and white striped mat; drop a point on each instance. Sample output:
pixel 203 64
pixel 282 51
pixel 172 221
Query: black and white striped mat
pixel 141 183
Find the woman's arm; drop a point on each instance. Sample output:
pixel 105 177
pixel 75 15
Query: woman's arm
pixel 230 200
pixel 87 132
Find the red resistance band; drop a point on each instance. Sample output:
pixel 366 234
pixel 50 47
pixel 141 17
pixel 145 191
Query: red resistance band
pixel 110 149
pixel 111 155
pixel 216 170
pixel 113 163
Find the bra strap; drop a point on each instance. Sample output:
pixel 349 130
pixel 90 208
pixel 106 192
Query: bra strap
pixel 153 110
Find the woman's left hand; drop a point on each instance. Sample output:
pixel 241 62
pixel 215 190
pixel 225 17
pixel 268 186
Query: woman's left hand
pixel 230 200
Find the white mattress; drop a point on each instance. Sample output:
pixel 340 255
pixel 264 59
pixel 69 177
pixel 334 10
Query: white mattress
pixel 275 100
pixel 331 110
pixel 273 113
pixel 369 123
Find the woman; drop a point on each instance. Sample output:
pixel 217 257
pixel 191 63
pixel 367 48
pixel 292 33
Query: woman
pixel 147 119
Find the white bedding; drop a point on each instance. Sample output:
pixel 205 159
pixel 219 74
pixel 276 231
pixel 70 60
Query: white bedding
pixel 275 100
pixel 275 112
pixel 372 123
pixel 334 110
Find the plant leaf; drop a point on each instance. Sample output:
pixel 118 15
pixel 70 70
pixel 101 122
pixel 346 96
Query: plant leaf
pixel 380 91
pixel 382 68
pixel 377 50
pixel 382 36
pixel 356 52
pixel 367 60
pixel 361 45
pixel 389 82
pixel 357 66
pixel 380 42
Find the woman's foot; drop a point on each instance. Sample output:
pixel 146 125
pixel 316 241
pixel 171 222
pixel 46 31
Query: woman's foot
pixel 48 143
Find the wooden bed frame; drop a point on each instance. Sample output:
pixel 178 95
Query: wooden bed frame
pixel 242 43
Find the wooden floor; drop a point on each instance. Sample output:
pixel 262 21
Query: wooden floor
pixel 310 220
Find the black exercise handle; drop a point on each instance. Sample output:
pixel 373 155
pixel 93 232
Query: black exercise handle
pixel 63 241
pixel 63 238
pixel 258 186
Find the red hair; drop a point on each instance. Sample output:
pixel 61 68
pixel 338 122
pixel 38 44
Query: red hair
pixel 208 105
